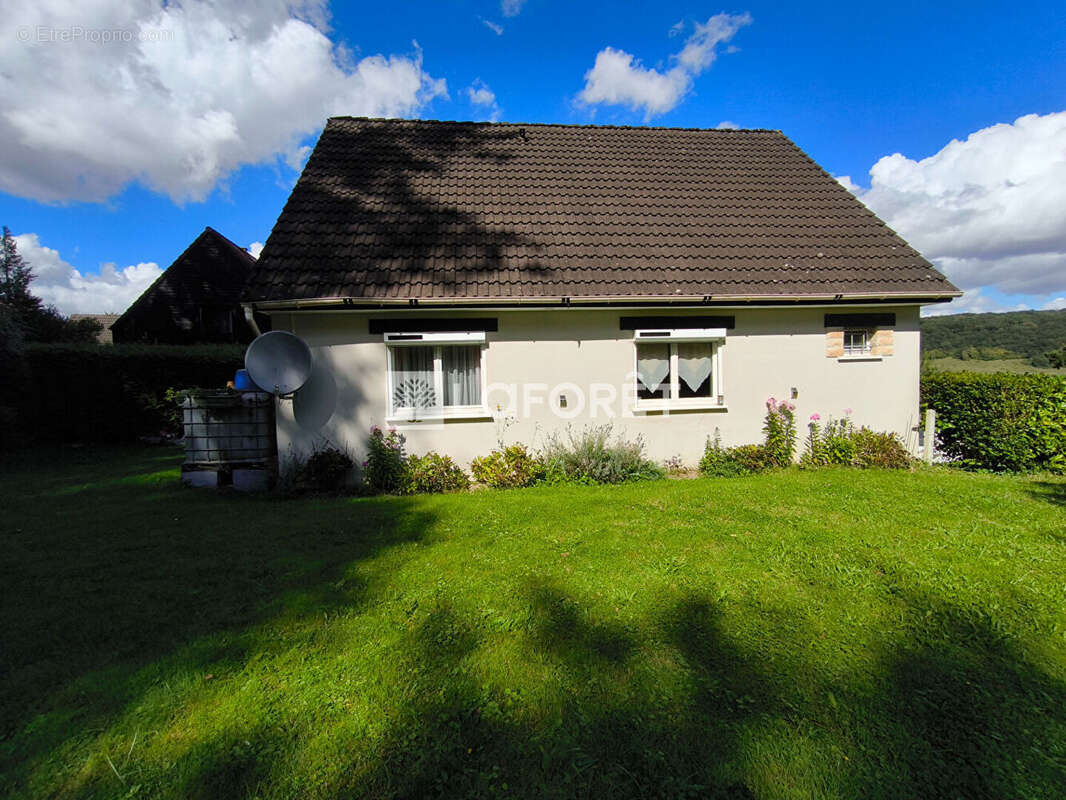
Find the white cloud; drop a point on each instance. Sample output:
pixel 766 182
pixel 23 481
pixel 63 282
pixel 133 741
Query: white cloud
pixel 727 125
pixel 1057 304
pixel 183 94
pixel 484 99
pixel 618 78
pixel 480 94
pixel 989 211
pixel 848 183
pixel 72 292
pixel 511 8
pixel 254 249
pixel 676 28
pixel 973 301
pixel 494 27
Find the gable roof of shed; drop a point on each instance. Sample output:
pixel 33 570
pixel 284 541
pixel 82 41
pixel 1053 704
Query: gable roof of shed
pixel 393 210
pixel 212 271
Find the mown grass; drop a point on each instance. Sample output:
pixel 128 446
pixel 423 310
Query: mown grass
pixel 801 634
pixel 1014 365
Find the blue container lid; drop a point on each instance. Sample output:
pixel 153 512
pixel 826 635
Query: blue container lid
pixel 242 382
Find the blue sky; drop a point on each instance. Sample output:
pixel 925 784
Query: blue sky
pixel 126 150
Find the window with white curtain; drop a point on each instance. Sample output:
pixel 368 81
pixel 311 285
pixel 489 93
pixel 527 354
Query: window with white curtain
pixel 429 379
pixel 681 373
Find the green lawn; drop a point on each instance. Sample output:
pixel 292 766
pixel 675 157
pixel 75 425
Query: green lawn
pixel 998 365
pixel 829 634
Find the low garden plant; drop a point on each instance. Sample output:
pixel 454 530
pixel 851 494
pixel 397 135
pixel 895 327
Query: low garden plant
pixel 594 454
pixel 840 443
pixel 327 468
pixel 385 468
pixel 434 473
pixel 510 467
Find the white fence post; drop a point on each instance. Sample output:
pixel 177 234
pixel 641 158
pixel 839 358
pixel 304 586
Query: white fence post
pixel 929 439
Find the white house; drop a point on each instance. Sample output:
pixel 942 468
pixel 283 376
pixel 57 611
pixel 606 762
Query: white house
pixel 472 283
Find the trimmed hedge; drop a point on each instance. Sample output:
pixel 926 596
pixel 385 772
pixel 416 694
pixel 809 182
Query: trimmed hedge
pixel 102 393
pixel 999 421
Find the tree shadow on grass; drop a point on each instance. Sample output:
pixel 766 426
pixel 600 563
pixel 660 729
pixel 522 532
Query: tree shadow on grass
pixel 120 576
pixel 1050 491
pixel 960 712
pixel 602 731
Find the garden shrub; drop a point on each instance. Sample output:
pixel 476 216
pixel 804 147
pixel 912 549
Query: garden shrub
pixel 883 450
pixel 385 470
pixel 840 443
pixel 831 445
pixel 112 393
pixel 591 456
pixel 780 429
pixel 326 468
pixel 753 458
pixel 999 421
pixel 434 473
pixel 508 468
pixel 732 462
pixel 717 461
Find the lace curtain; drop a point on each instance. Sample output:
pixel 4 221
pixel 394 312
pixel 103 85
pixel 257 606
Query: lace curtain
pixel 462 375
pixel 693 363
pixel 653 365
pixel 412 377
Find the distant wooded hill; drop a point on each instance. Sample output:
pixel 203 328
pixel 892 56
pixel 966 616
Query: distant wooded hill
pixel 1039 336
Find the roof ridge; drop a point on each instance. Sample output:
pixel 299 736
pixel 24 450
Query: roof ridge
pixel 486 124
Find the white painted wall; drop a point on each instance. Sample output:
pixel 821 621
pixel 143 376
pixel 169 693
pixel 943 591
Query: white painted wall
pixel 767 353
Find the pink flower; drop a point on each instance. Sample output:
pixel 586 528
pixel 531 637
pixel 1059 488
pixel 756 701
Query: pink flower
pixel 847 411
pixel 391 429
pixel 771 403
pixel 375 429
pixel 815 417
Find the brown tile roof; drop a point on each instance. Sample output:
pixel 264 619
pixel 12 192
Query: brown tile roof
pixel 106 320
pixel 398 209
pixel 203 284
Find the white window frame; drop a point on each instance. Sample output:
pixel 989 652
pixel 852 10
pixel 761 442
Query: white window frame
pixel 868 343
pixel 437 341
pixel 715 337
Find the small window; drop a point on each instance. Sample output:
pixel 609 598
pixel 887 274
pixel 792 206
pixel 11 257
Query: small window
pixel 428 379
pixel 677 372
pixel 858 341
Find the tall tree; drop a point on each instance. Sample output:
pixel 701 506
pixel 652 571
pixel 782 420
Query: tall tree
pixel 15 278
pixel 36 321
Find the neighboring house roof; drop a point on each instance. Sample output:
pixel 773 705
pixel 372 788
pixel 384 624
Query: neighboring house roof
pixel 186 302
pixel 104 336
pixel 389 210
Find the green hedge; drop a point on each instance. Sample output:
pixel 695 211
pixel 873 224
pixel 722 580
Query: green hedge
pixel 100 393
pixel 999 421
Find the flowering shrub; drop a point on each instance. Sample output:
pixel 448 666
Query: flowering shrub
pixel 385 470
pixel 829 445
pixel 674 465
pixel 780 429
pixel 841 443
pixel 508 468
pixel 434 473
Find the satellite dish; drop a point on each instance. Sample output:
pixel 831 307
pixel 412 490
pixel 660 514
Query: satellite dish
pixel 278 361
